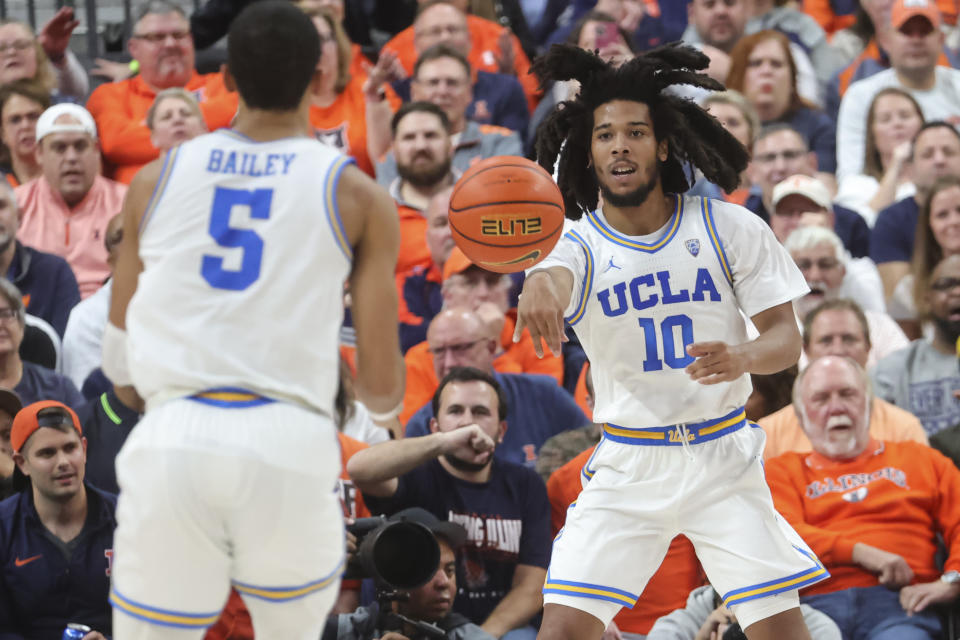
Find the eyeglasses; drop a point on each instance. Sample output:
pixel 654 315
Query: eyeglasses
pixel 16 45
pixel 824 264
pixel 789 155
pixel 454 349
pixel 945 284
pixel 7 314
pixel 160 38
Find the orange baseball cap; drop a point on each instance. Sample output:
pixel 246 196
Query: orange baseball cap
pixel 903 10
pixel 27 421
pixel 458 262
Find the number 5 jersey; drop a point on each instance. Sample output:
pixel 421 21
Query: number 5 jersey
pixel 639 301
pixel 244 260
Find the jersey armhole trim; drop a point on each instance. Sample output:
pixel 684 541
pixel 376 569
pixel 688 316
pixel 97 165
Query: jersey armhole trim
pixel 706 207
pixel 333 211
pixel 587 284
pixel 169 160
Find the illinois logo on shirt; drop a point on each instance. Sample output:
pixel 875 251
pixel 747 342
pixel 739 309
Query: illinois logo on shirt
pixel 336 137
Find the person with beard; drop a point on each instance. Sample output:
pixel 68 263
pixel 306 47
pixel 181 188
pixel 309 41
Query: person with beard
pixel 67 208
pixel 442 76
pixel 453 474
pixel 838 328
pixel 923 377
pixel 656 285
pixel 56 533
pixel 431 602
pixel 46 280
pixel 424 153
pixel 873 510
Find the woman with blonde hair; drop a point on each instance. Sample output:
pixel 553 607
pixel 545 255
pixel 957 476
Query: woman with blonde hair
pixel 44 61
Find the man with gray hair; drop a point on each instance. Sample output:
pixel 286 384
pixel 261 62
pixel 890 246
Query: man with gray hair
pixel 163 47
pixel 869 509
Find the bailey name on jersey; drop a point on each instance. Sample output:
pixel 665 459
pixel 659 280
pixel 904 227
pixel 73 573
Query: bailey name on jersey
pixel 249 164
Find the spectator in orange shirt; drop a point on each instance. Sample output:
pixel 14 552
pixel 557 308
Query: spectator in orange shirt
pixel 488 46
pixel 174 117
pixel 838 328
pixel 421 145
pixel 161 43
pixel 358 61
pixel 66 210
pixel 678 575
pixel 870 509
pixel 486 292
pixel 21 104
pixel 442 76
pixel 351 111
pixel 419 288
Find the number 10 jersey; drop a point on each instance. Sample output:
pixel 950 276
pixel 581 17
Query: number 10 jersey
pixel 245 259
pixel 638 302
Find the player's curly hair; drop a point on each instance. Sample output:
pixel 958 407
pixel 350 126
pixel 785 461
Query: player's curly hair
pixel 693 135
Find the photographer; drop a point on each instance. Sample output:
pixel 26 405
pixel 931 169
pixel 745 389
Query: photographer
pixel 705 618
pixel 432 602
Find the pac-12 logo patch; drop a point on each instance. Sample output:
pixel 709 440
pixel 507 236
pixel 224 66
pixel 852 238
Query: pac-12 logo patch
pixel 693 246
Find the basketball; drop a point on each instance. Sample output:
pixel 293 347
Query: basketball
pixel 506 213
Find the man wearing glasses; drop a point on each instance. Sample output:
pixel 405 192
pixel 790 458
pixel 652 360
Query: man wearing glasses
pixel 780 152
pixel 923 378
pixel 162 45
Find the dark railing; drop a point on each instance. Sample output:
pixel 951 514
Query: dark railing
pixel 88 44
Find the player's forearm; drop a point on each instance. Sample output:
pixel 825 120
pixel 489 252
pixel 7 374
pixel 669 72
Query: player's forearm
pixel 389 460
pixel 515 610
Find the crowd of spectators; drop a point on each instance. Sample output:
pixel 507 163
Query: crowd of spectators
pixel 849 110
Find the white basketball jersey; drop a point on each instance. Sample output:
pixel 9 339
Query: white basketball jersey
pixel 244 258
pixel 639 301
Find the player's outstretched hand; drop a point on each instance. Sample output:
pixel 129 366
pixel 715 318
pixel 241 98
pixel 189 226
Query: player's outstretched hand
pixel 94 635
pixel 541 313
pixel 715 362
pixel 917 597
pixel 469 444
pixel 892 570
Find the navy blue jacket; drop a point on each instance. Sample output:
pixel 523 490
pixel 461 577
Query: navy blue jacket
pixel 48 281
pixel 40 590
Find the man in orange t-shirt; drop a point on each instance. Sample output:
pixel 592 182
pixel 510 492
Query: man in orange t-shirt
pixel 162 45
pixel 678 575
pixel 870 510
pixel 487 45
pixel 838 328
pixel 422 147
pixel 234 622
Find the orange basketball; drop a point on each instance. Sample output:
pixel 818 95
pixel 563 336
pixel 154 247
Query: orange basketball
pixel 506 213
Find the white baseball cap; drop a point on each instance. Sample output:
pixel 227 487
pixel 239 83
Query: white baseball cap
pixel 805 186
pixel 47 122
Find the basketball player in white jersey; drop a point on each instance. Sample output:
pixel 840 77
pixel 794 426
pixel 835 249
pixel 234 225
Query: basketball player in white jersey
pixel 225 314
pixel 653 283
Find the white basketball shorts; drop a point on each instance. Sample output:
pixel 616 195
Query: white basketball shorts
pixel 227 490
pixel 706 481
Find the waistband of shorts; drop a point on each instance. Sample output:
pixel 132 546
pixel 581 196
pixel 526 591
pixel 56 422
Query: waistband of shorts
pixel 671 436
pixel 231 398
